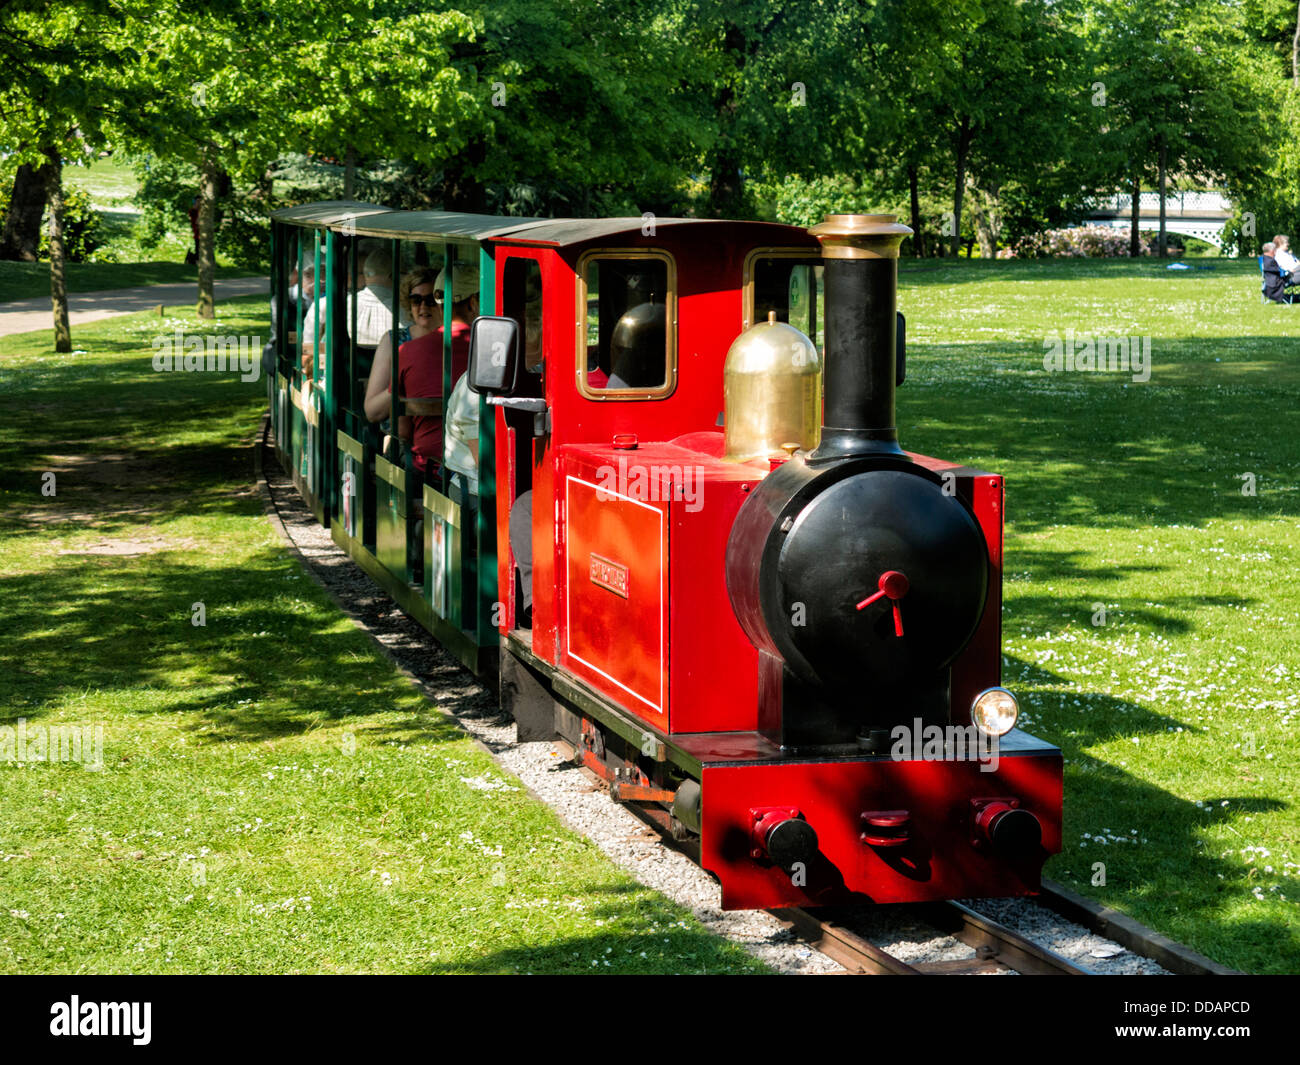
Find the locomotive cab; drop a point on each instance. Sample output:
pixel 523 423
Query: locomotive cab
pixel 742 593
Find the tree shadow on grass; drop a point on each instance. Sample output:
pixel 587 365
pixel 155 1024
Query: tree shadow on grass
pixel 1055 612
pixel 111 492
pixel 267 662
pixel 1162 874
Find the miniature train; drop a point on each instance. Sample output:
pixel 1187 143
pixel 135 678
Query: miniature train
pixel 741 603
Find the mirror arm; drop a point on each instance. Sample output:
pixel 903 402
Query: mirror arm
pixel 537 407
pixel 513 403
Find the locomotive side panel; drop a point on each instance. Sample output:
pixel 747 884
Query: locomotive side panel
pixel 615 588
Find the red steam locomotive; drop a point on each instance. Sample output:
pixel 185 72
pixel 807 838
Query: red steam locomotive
pixel 748 609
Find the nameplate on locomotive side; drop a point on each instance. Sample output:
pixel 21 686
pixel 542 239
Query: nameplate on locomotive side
pixel 609 574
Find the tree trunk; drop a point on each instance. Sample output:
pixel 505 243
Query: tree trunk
pixel 261 192
pixel 1163 176
pixel 1295 51
pixel 58 256
pixel 988 226
pixel 350 173
pixel 208 176
pixel 959 191
pixel 918 238
pixel 21 241
pixel 1135 217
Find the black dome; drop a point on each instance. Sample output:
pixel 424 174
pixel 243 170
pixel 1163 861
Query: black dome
pixel 833 557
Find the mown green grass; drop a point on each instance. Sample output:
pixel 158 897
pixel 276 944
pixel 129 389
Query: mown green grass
pixel 1177 715
pixel 273 797
pixel 111 182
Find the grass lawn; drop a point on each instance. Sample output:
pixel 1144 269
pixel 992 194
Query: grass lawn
pixel 1151 607
pixel 111 182
pixel 273 796
pixel 1149 620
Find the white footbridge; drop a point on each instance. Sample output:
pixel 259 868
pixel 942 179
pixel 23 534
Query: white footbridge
pixel 1193 214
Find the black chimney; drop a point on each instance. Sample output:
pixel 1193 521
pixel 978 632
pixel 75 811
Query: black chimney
pixel 860 252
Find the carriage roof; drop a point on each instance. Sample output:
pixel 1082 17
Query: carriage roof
pixel 369 220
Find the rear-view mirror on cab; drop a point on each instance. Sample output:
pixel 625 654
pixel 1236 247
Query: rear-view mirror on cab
pixel 493 355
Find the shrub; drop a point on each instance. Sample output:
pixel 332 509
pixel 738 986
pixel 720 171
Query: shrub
pixel 168 187
pixel 1093 242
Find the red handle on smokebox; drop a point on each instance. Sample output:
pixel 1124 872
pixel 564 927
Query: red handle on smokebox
pixel 893 585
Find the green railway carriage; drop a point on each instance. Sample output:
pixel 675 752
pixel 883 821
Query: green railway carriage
pixel 376 506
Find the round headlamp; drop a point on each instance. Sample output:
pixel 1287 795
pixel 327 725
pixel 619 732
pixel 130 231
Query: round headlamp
pixel 995 711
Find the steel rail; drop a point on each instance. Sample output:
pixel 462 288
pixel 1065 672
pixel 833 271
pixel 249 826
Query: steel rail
pixel 996 946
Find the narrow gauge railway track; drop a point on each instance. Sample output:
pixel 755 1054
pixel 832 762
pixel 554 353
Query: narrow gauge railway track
pixel 997 947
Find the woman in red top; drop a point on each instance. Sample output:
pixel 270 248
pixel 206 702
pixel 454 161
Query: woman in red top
pixel 420 362
pixel 418 282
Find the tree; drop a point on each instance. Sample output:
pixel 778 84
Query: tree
pixel 21 239
pixel 1186 94
pixel 62 85
pixel 992 79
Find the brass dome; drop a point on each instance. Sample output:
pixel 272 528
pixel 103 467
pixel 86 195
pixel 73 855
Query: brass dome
pixel 772 391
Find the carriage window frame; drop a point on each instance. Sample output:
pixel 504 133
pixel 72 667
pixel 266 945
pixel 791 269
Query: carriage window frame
pixel 580 327
pixel 750 266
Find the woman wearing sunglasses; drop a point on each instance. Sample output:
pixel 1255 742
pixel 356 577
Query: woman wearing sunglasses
pixel 420 361
pixel 421 349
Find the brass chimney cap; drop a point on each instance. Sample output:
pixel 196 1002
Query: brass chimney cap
pixel 860 236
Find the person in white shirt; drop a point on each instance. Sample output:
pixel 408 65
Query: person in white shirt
pixel 374 303
pixel 1286 262
pixel 460 451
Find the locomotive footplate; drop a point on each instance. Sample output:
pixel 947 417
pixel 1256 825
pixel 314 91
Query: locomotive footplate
pixel 886 830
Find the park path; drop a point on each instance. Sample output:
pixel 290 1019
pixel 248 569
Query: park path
pixel 32 315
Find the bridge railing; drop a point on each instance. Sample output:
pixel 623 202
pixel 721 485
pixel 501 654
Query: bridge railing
pixel 1176 203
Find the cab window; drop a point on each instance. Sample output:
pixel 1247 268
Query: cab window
pixel 792 287
pixel 627 325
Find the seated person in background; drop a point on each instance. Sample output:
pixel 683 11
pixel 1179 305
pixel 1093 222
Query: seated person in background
pixel 1275 281
pixel 314 311
pixel 378 403
pixel 420 363
pixel 1286 262
pixel 374 303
